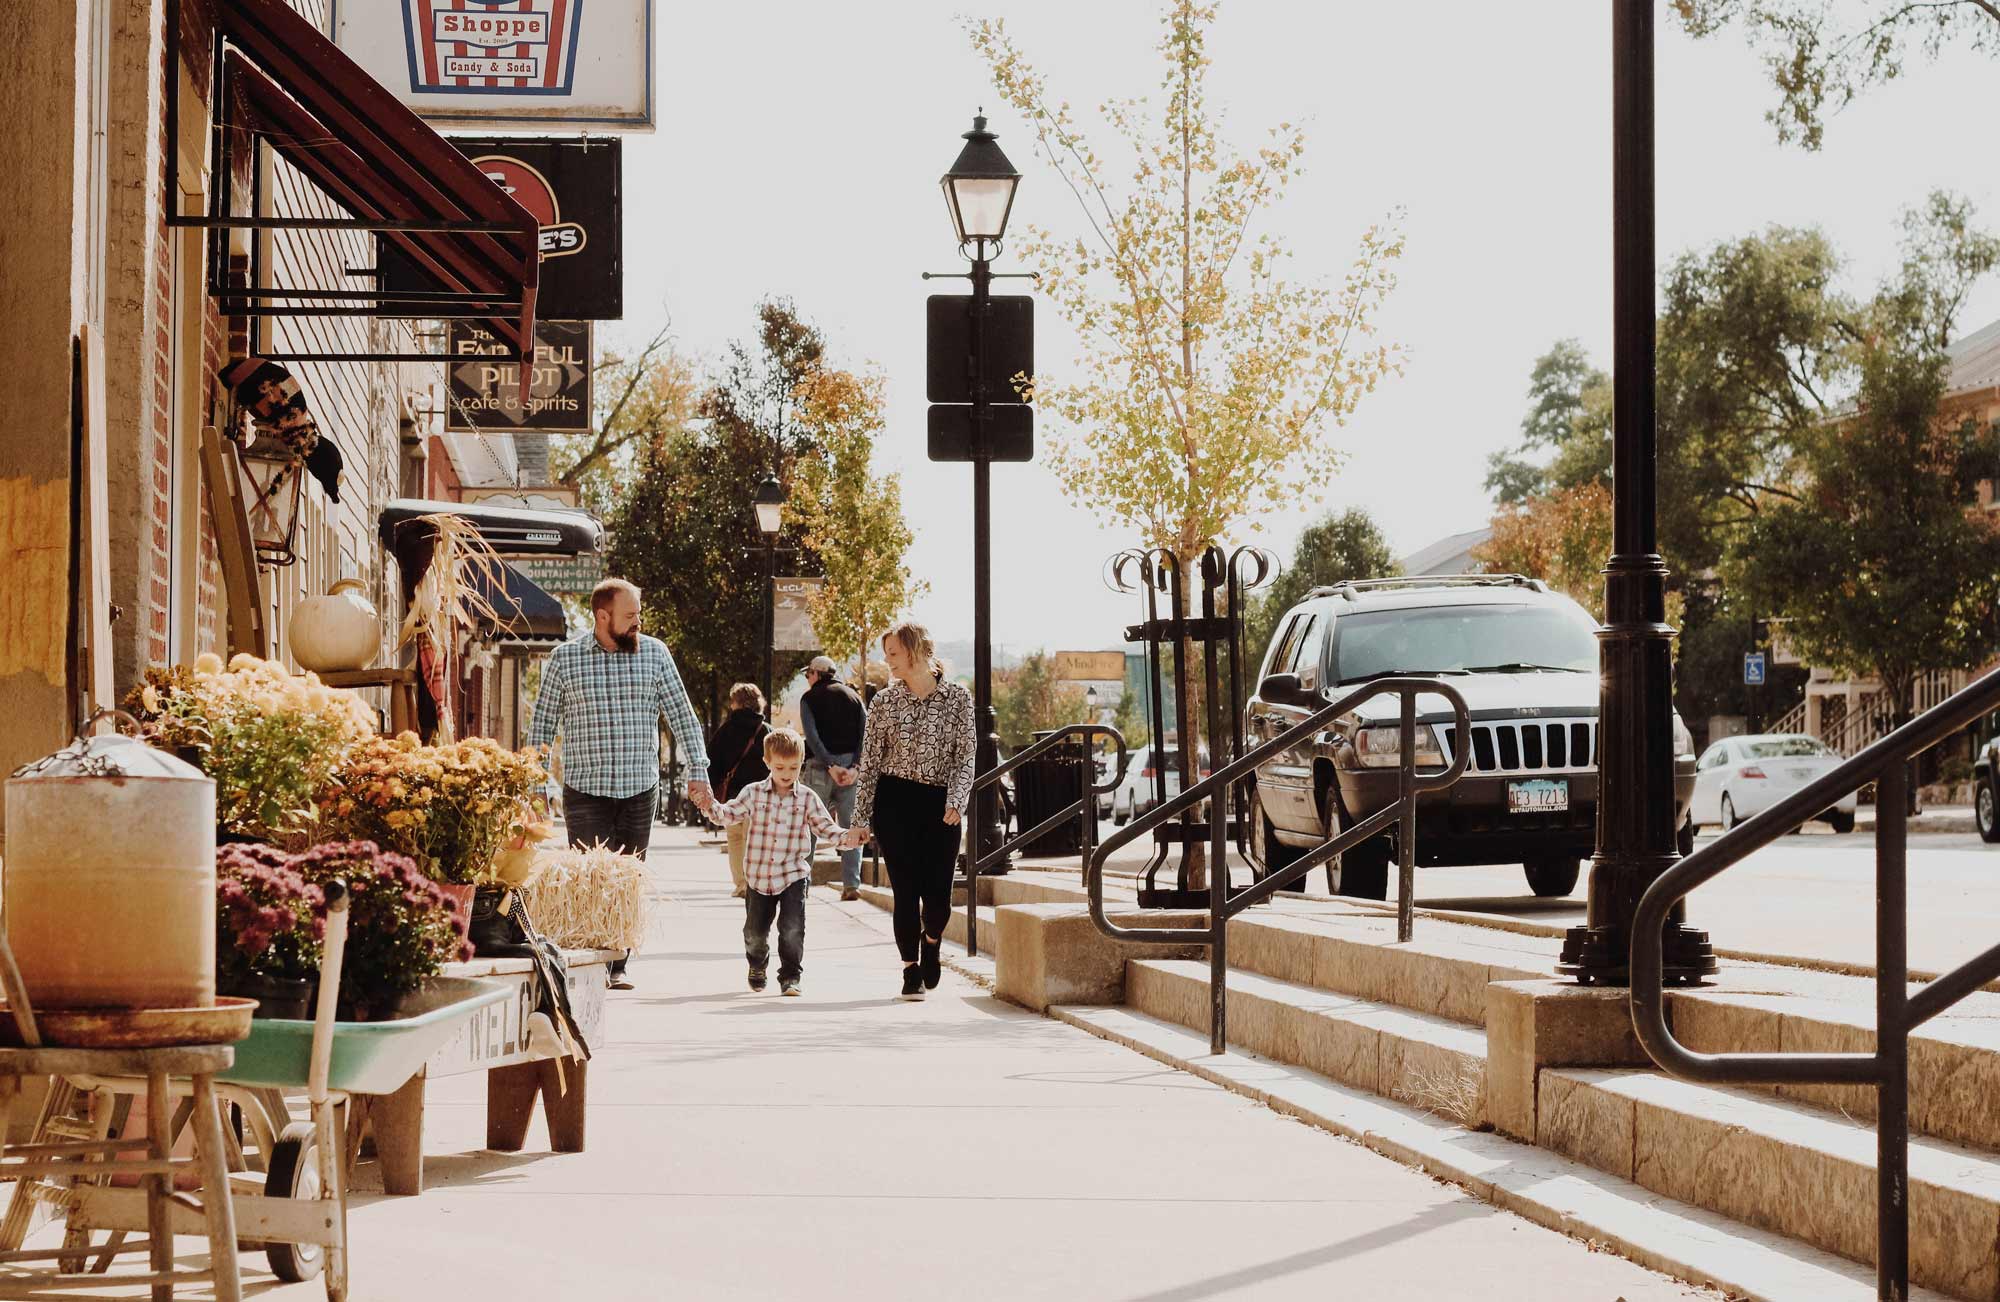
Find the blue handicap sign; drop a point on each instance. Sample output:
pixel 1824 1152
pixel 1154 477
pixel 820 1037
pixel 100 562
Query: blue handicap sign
pixel 1753 668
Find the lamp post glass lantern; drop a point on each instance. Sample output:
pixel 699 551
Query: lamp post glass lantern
pixel 979 192
pixel 769 504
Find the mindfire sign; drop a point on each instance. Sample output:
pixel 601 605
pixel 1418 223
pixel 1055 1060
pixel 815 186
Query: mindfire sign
pixel 508 63
pixel 485 388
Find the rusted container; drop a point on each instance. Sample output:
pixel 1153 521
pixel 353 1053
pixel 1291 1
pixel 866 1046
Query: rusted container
pixel 110 878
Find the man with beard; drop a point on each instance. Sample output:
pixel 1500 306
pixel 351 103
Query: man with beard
pixel 605 692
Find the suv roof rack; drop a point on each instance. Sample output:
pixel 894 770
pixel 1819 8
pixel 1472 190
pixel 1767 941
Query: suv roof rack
pixel 1351 587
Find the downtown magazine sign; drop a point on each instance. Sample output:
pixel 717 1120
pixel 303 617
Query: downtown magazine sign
pixel 485 64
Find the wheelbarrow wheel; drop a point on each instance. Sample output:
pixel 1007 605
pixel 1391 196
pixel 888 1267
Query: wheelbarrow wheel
pixel 294 1173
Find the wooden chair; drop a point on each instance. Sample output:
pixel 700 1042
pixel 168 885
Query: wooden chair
pixel 70 1161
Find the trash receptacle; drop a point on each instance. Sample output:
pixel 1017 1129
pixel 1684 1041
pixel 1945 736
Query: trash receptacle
pixel 1043 787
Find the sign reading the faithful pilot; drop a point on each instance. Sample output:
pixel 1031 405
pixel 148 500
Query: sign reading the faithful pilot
pixel 573 189
pixel 485 386
pixel 791 614
pixel 508 63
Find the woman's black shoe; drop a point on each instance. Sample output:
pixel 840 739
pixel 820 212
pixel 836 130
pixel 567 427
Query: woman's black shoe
pixel 932 964
pixel 913 983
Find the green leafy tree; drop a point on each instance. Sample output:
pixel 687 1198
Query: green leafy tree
pixel 1562 536
pixel 643 397
pixel 1879 562
pixel 1130 720
pixel 849 515
pixel 1566 435
pixel 1348 545
pixel 1030 698
pixel 1820 58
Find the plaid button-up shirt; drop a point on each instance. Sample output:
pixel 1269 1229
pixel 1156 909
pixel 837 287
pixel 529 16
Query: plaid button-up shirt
pixel 607 706
pixel 779 851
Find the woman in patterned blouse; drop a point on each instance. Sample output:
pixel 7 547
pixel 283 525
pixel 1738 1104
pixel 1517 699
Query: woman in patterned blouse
pixel 915 785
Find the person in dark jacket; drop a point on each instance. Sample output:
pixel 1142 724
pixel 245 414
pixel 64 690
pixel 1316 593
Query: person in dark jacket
pixel 833 719
pixel 738 751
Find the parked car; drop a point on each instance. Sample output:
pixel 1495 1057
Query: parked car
pixel 1986 790
pixel 1738 777
pixel 1526 661
pixel 1136 795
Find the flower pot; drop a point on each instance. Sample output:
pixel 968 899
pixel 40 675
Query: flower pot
pixel 289 997
pixel 336 632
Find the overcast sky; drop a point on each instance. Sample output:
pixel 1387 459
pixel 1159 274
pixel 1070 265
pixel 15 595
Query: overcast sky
pixel 799 147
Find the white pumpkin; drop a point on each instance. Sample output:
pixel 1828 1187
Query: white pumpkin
pixel 339 631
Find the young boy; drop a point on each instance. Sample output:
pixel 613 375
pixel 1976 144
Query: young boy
pixel 777 867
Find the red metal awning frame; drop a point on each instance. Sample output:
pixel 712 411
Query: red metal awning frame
pixel 276 80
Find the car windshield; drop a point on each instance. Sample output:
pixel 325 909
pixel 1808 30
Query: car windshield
pixel 1784 748
pixel 1441 639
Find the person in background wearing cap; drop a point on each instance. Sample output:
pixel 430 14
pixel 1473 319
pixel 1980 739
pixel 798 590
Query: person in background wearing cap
pixel 833 719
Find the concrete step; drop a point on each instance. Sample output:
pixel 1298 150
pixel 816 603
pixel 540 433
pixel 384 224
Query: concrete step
pixel 1780 1166
pixel 1419 1058
pixel 1682 1240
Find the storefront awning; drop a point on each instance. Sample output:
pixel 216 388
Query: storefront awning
pixel 284 83
pixel 510 531
pixel 527 614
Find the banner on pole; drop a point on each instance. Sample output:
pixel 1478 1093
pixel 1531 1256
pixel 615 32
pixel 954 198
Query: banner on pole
pixel 791 619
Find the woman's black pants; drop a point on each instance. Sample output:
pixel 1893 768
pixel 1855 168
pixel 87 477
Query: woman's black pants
pixel 922 855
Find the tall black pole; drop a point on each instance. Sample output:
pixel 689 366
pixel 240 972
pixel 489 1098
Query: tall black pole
pixel 987 831
pixel 770 625
pixel 1635 761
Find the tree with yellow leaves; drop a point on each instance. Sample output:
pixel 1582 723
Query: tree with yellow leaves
pixel 850 516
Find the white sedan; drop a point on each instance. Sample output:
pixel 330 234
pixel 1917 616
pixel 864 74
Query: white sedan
pixel 1739 777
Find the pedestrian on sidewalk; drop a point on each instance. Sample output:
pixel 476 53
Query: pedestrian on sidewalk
pixel 739 743
pixel 604 691
pixel 914 789
pixel 780 816
pixel 833 719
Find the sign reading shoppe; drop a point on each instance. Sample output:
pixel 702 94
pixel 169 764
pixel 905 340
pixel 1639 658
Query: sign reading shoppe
pixel 508 63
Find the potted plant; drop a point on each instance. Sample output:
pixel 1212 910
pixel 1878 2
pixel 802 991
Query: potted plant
pixel 269 922
pixel 401 925
pixel 452 807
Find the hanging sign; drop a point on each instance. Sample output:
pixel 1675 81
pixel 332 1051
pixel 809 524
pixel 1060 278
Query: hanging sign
pixel 791 615
pixel 485 387
pixel 508 63
pixel 573 189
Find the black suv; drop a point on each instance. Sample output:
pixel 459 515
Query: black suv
pixel 1526 661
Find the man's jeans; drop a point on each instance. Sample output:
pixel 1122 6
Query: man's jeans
pixel 623 823
pixel 840 802
pixel 789 908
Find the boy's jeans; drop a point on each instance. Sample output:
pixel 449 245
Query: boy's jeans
pixel 840 803
pixel 789 908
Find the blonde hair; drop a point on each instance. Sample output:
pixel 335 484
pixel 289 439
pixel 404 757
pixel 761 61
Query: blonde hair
pixel 917 644
pixel 747 696
pixel 783 743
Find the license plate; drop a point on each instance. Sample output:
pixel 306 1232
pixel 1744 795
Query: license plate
pixel 1540 796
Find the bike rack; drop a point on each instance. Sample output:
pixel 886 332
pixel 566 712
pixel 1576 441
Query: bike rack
pixel 1897 1012
pixel 1085 809
pixel 1224 904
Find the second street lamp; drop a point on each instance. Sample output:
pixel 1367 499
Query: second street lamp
pixel 770 507
pixel 979 191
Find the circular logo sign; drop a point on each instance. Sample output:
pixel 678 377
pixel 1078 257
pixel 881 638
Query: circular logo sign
pixel 532 191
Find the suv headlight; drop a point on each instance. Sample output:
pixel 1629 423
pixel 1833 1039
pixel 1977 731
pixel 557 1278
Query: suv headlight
pixel 1379 746
pixel 1683 739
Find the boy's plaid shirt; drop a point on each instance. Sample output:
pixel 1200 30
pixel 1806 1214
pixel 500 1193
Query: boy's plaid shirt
pixel 607 705
pixel 781 831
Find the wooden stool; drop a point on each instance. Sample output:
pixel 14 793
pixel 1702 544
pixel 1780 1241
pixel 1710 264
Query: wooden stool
pixel 70 1161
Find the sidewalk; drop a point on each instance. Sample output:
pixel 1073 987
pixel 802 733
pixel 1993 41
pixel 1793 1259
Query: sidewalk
pixel 848 1145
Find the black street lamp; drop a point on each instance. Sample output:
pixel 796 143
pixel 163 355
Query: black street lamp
pixel 1635 767
pixel 979 191
pixel 769 503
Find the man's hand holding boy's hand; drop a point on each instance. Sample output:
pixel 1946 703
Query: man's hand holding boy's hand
pixel 854 839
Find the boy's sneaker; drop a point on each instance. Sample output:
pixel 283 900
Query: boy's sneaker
pixel 756 978
pixel 932 964
pixel 913 983
pixel 789 988
pixel 849 893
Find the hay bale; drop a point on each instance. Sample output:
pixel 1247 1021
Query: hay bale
pixel 588 899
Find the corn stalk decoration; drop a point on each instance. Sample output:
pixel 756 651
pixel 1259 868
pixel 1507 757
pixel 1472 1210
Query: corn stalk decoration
pixel 451 600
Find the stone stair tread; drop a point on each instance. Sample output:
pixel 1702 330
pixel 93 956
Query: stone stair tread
pixel 1404 1023
pixel 1936 1162
pixel 1543 1187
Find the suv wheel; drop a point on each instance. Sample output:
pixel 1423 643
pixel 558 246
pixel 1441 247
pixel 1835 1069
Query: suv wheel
pixel 1547 877
pixel 1684 842
pixel 1364 870
pixel 1277 855
pixel 1842 821
pixel 1986 812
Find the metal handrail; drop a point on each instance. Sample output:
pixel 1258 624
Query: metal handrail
pixel 1897 1012
pixel 1222 904
pixel 978 858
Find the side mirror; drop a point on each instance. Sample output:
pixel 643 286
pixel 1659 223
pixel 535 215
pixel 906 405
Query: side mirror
pixel 1283 688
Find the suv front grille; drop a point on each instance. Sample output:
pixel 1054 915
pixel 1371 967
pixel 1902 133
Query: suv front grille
pixel 1531 746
